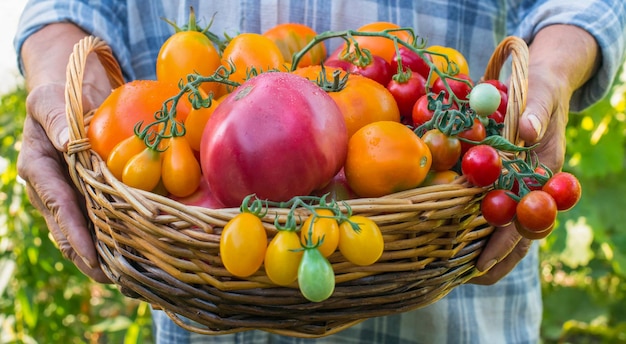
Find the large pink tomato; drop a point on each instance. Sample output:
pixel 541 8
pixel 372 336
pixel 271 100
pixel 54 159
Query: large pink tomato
pixel 277 136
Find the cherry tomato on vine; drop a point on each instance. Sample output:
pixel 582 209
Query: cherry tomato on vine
pixel 445 150
pixel 243 244
pixel 143 170
pixel 498 208
pixel 411 60
pixel 321 228
pixel 565 188
pixel 181 171
pixel 381 46
pixel 497 116
pixel 461 89
pixel 536 214
pixel 476 133
pixel 420 112
pixel 530 182
pixel 122 152
pixel 316 278
pixel 186 52
pixel 498 84
pixel 484 99
pixel 364 246
pixel 378 70
pixel 282 257
pixel 406 91
pixel 293 37
pixel 481 165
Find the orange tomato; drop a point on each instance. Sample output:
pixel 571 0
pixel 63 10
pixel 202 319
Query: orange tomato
pixel 135 101
pixel 365 101
pixel 122 152
pixel 313 72
pixel 292 37
pixel 442 64
pixel 251 50
pixel 321 227
pixel 143 171
pixel 187 52
pixel 386 157
pixel 195 123
pixel 440 177
pixel 181 171
pixel 381 46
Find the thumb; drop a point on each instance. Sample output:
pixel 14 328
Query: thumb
pixel 46 104
pixel 533 122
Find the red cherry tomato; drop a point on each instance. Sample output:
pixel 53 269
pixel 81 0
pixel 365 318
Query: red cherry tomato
pixel 411 60
pixel 481 165
pixel 407 92
pixel 498 208
pixel 565 188
pixel 378 70
pixel 476 133
pixel 459 88
pixel 536 212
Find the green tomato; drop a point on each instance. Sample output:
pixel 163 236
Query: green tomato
pixel 484 99
pixel 316 278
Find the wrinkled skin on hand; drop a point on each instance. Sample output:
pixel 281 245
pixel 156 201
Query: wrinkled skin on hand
pixel 49 187
pixel 553 78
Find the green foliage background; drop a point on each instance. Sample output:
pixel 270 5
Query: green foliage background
pixel 45 299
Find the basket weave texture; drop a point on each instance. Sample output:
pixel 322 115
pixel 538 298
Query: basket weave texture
pixel 167 253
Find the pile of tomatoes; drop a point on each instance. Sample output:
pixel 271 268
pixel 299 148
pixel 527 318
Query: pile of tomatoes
pixel 271 115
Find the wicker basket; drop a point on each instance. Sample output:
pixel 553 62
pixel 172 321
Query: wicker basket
pixel 166 253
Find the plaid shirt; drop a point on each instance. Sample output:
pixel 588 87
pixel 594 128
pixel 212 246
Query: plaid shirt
pixel 507 312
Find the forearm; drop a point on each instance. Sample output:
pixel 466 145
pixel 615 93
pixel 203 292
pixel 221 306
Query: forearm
pixel 569 52
pixel 45 55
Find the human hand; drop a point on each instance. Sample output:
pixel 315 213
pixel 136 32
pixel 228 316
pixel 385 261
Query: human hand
pixel 554 75
pixel 49 187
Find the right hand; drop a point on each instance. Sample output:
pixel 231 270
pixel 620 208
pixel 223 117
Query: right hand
pixel 49 187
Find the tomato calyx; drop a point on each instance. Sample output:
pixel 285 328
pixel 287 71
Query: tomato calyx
pixel 192 26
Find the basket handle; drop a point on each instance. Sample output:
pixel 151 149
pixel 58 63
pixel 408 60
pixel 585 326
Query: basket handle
pixel 518 85
pixel 78 142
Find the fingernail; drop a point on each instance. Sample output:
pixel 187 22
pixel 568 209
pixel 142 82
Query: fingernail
pixel 536 124
pixel 489 265
pixel 64 137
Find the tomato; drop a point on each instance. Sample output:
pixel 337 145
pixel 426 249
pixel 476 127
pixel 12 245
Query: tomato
pixel 251 50
pixel 186 52
pixel 378 70
pixel 440 177
pixel 293 37
pixel 338 188
pixel 363 246
pixel 498 84
pixel 202 197
pixel 565 188
pixel 481 165
pixel 530 182
pixel 133 102
pixel 536 213
pixel 122 152
pixel 381 46
pixel 243 243
pixel 282 257
pixel 363 101
pixel 386 157
pixel 406 92
pixel 498 208
pixel 143 170
pixel 180 170
pixel 454 61
pixel 420 112
pixel 411 60
pixel 497 116
pixel 484 99
pixel 461 89
pixel 476 133
pixel 335 60
pixel 195 123
pixel 315 228
pixel 316 278
pixel 288 136
pixel 445 150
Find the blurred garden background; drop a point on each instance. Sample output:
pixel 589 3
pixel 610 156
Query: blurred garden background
pixel 45 299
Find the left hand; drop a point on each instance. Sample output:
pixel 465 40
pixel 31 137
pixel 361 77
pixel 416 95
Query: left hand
pixel 551 82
